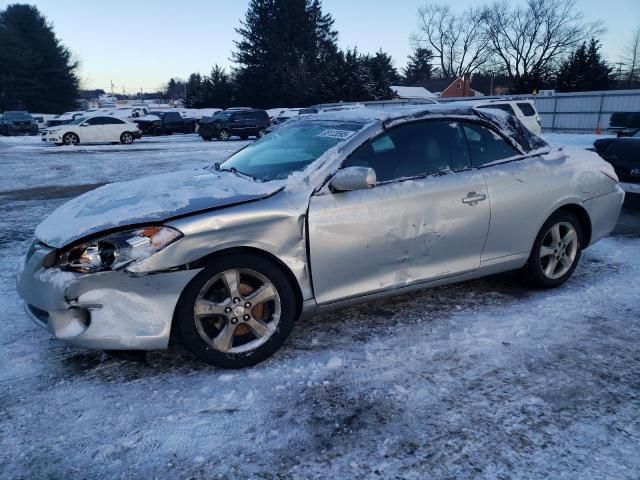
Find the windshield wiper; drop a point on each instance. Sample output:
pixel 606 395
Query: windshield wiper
pixel 235 171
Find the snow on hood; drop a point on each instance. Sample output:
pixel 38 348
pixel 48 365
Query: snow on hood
pixel 148 199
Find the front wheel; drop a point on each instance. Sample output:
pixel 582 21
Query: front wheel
pixel 126 138
pixel 236 312
pixel 556 251
pixel 224 135
pixel 70 139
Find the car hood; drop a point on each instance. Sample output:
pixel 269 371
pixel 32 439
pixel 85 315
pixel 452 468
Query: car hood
pixel 150 199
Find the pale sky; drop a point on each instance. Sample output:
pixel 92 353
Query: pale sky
pixel 143 43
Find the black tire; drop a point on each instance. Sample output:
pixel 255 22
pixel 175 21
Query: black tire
pixel 126 138
pixel 70 138
pixel 224 135
pixel 184 318
pixel 533 272
pixel 157 131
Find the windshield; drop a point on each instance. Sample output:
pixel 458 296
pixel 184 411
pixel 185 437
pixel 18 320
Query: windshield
pixel 17 116
pixel 77 121
pixel 289 149
pixel 222 115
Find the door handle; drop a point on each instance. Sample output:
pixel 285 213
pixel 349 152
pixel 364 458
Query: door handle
pixel 473 198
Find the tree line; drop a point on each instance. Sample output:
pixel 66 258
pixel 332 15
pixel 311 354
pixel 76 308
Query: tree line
pixel 288 55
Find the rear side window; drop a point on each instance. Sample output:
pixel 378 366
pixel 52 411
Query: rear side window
pixel 486 146
pixel 527 109
pixel 417 149
pixel 112 121
pixel 97 121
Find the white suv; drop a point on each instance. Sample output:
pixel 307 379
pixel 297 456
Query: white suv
pixel 524 110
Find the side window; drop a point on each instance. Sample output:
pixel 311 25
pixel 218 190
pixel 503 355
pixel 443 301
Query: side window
pixel 97 121
pixel 425 148
pixel 486 146
pixel 527 109
pixel 112 121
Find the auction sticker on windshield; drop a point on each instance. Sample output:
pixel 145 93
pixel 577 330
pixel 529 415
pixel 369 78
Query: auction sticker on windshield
pixel 342 134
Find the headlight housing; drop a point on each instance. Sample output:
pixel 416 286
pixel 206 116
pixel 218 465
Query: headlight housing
pixel 117 250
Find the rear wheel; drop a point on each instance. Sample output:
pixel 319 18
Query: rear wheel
pixel 126 138
pixel 70 139
pixel 224 135
pixel 237 312
pixel 556 251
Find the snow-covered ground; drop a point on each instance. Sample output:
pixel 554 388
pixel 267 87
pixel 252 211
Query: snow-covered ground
pixel 480 380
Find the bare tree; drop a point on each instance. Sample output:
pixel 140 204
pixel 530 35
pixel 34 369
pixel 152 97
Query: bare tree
pixel 529 40
pixel 458 41
pixel 631 58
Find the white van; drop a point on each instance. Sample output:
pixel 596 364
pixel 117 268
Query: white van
pixel 525 110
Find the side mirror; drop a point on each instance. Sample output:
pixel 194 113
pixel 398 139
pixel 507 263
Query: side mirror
pixel 353 178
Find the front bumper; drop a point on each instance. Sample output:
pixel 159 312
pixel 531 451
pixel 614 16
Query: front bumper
pixel 630 187
pixel 137 134
pixel 106 310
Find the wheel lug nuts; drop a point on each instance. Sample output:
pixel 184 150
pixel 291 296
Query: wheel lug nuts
pixel 234 320
pixel 227 310
pixel 236 300
pixel 247 305
pixel 246 317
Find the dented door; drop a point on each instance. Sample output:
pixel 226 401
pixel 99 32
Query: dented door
pixel 397 234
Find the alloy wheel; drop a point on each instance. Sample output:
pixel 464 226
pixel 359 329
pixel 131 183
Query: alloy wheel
pixel 558 250
pixel 70 139
pixel 237 311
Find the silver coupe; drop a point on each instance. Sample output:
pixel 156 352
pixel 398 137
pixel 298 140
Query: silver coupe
pixel 323 212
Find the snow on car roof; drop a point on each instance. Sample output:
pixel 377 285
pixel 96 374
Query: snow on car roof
pixel 393 115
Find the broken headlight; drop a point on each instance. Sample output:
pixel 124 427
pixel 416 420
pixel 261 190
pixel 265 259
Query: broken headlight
pixel 117 250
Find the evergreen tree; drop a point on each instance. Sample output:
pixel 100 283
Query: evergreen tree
pixel 418 66
pixel 287 53
pixel 354 77
pixel 195 91
pixel 175 89
pixel 584 70
pixel 383 75
pixel 218 89
pixel 36 70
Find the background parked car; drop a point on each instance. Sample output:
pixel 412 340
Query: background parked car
pixel 165 123
pixel 18 123
pixel 98 129
pixel 625 124
pixel 241 123
pixel 624 154
pixel 64 118
pixel 523 110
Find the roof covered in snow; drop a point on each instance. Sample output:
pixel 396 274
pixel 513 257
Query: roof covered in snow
pixel 392 115
pixel 412 92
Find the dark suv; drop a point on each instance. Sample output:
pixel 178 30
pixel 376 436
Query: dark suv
pixel 166 124
pixel 18 123
pixel 241 123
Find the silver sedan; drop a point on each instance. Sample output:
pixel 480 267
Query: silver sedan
pixel 323 212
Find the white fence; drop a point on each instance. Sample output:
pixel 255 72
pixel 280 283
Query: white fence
pixel 584 111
